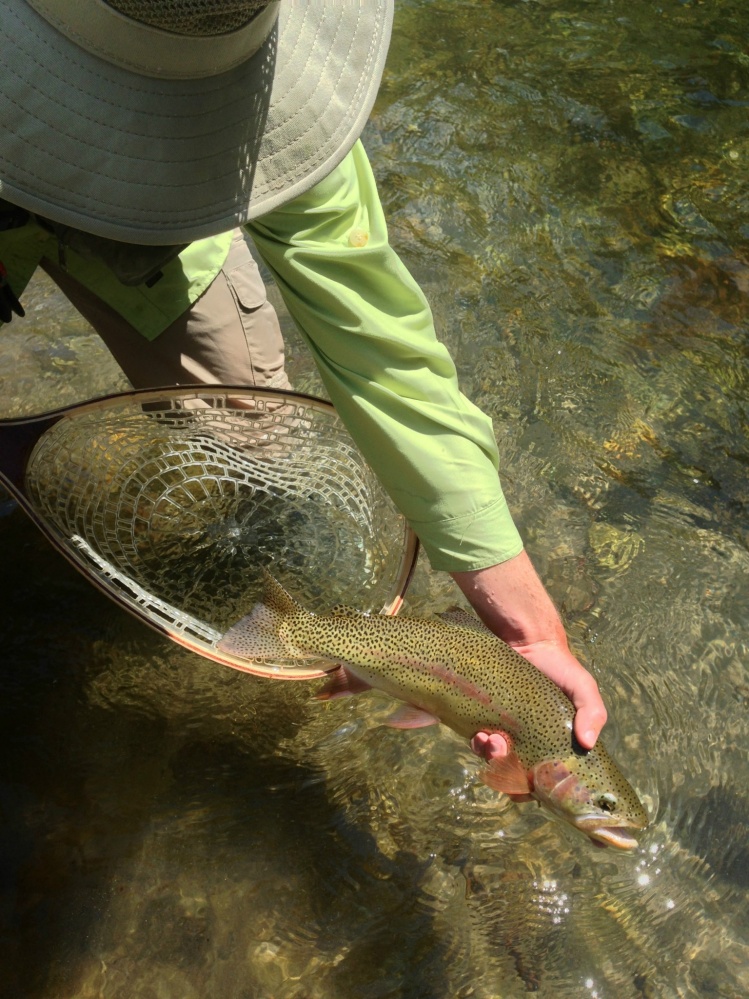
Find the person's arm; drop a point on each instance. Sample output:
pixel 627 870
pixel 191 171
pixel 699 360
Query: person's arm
pixel 370 332
pixel 395 387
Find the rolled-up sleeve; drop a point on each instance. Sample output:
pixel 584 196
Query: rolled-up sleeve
pixel 393 383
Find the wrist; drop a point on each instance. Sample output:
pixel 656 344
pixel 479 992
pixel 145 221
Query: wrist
pixel 511 600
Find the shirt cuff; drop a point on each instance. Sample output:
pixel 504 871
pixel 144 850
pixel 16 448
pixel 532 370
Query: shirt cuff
pixel 477 540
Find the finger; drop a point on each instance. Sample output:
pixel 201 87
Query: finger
pixel 590 711
pixel 588 725
pixel 578 684
pixel 489 745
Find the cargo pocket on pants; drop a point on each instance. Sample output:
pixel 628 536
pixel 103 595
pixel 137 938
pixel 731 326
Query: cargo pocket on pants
pixel 262 332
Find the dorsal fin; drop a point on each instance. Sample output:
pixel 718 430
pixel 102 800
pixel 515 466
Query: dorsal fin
pixel 277 598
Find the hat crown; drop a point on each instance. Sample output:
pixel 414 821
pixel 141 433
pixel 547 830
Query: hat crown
pixel 190 17
pixel 166 39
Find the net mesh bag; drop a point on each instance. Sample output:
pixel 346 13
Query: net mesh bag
pixel 182 504
pixel 190 17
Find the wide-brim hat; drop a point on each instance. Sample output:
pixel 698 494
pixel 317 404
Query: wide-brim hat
pixel 162 121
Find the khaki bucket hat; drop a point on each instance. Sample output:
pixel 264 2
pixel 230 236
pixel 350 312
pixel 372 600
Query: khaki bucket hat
pixel 164 121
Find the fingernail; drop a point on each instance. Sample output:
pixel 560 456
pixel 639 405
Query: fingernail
pixel 589 737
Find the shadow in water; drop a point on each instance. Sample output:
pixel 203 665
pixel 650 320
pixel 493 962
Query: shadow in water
pixel 156 839
pixel 715 829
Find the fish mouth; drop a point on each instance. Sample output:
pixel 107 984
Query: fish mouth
pixel 619 835
pixel 601 829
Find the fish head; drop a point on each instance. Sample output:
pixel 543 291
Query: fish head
pixel 588 791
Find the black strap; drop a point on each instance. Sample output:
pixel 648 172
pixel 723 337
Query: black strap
pixel 9 303
pixel 11 216
pixel 131 263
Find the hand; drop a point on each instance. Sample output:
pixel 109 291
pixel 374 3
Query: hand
pixel 511 600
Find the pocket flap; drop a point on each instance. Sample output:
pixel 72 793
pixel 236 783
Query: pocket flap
pixel 247 286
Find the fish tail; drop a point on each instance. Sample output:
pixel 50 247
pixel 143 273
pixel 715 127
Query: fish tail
pixel 262 634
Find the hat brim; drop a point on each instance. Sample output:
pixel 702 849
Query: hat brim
pixel 158 161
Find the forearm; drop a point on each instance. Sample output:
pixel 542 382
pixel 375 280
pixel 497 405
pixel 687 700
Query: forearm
pixel 394 385
pixel 511 600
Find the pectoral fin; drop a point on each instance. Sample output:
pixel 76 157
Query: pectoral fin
pixel 506 774
pixel 408 716
pixel 341 683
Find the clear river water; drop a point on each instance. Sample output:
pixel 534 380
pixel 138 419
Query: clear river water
pixel 569 181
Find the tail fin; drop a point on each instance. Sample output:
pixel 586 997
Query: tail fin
pixel 261 634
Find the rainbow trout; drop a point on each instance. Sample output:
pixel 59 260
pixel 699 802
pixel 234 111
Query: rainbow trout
pixel 459 673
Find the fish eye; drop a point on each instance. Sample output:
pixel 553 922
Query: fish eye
pixel 607 802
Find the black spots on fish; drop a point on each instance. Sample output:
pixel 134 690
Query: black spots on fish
pixel 610 790
pixel 458 616
pixel 257 636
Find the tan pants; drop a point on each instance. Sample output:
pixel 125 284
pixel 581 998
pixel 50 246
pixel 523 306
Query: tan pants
pixel 230 336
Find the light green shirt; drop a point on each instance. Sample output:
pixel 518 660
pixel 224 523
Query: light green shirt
pixel 393 383
pixel 371 334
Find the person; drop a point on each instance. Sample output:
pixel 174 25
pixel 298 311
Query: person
pixel 144 138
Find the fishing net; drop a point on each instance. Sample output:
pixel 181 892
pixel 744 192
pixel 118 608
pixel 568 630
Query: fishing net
pixel 178 502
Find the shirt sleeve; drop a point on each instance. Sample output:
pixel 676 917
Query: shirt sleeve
pixel 393 383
